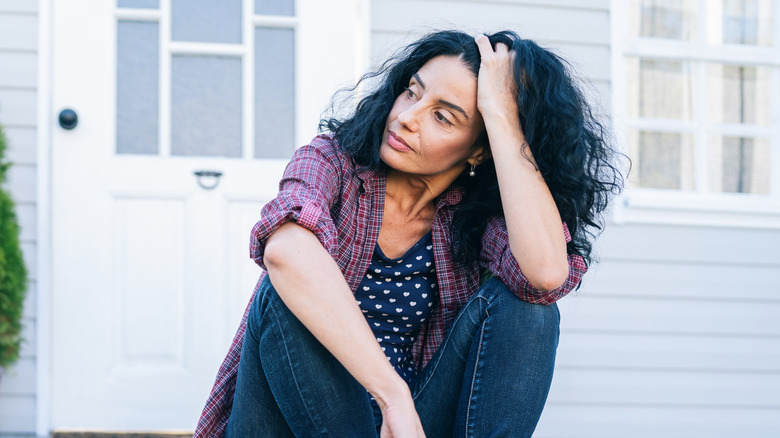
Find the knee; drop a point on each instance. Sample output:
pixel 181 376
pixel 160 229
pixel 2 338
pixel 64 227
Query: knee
pixel 526 318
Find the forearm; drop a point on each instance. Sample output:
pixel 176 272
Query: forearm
pixel 312 286
pixel 536 235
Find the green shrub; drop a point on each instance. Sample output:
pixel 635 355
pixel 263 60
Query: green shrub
pixel 13 274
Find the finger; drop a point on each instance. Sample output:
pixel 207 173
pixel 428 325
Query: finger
pixel 501 48
pixel 483 43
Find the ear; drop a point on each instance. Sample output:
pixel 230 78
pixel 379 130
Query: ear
pixel 480 154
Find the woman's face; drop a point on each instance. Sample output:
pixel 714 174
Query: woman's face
pixel 434 123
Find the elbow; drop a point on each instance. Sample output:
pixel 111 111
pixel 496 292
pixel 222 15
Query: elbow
pixel 549 278
pixel 283 246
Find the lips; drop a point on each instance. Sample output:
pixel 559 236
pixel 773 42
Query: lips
pixel 397 142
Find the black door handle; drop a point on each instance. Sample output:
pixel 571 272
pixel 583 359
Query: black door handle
pixel 68 119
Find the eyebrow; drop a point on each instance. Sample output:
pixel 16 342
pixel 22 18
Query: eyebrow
pixel 444 102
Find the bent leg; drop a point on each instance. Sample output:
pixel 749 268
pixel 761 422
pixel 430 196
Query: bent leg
pixel 314 393
pixel 491 375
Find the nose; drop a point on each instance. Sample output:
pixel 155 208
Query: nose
pixel 408 118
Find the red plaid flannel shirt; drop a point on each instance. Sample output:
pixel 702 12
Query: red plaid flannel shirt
pixel 323 191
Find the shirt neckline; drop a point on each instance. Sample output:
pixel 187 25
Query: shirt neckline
pixel 423 240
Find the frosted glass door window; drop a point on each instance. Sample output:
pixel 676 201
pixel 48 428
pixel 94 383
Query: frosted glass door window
pixel 209 21
pixel 274 92
pixel 206 106
pixel 137 80
pixel 138 4
pixel 275 7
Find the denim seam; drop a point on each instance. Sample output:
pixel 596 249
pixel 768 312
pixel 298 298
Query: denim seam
pixel 443 344
pixel 474 377
pixel 292 368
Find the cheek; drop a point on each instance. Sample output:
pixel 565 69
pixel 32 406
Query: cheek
pixel 398 107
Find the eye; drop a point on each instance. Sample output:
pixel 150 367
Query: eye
pixel 440 117
pixel 409 93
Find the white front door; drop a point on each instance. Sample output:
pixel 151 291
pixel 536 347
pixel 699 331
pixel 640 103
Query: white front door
pixel 150 271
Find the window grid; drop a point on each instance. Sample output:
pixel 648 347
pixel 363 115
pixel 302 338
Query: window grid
pixel 243 50
pixel 701 54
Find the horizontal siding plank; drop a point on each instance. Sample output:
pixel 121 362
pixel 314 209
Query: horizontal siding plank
pixel 22 144
pixel 621 421
pixel 537 22
pixel 648 316
pixel 569 4
pixel 680 243
pixel 19 32
pixel 22 183
pixel 19 379
pixel 591 61
pixel 18 6
pixel 598 94
pixel 29 254
pixel 668 352
pixel 674 280
pixel 25 213
pixel 17 414
pixel 18 69
pixel 29 341
pixel 18 108
pixel 30 299
pixel 667 388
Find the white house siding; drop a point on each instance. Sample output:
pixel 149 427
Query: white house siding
pixel 18 102
pixel 675 332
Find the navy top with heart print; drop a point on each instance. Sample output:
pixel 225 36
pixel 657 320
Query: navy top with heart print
pixel 396 297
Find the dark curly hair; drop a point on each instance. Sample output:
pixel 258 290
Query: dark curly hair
pixel 570 146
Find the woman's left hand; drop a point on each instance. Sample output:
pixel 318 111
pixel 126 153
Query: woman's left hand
pixel 496 87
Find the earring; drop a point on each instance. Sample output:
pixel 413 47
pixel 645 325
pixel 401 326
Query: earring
pixel 472 173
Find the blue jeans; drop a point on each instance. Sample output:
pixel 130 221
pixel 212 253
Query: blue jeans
pixel 490 376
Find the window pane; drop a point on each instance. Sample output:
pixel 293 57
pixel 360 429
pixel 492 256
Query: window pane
pixel 275 7
pixel 140 4
pixel 136 87
pixel 739 165
pixel 660 88
pixel 746 22
pixel 662 160
pixel 274 93
pixel 670 19
pixel 210 21
pixel 738 94
pixel 206 106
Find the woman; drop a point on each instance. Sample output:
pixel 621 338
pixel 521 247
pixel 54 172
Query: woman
pixel 474 158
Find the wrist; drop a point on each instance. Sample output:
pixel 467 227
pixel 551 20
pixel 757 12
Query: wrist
pixel 391 392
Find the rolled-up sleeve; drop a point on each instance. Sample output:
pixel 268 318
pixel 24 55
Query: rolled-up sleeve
pixel 499 260
pixel 308 190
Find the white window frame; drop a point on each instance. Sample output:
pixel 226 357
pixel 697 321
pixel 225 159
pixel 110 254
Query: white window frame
pixel 698 207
